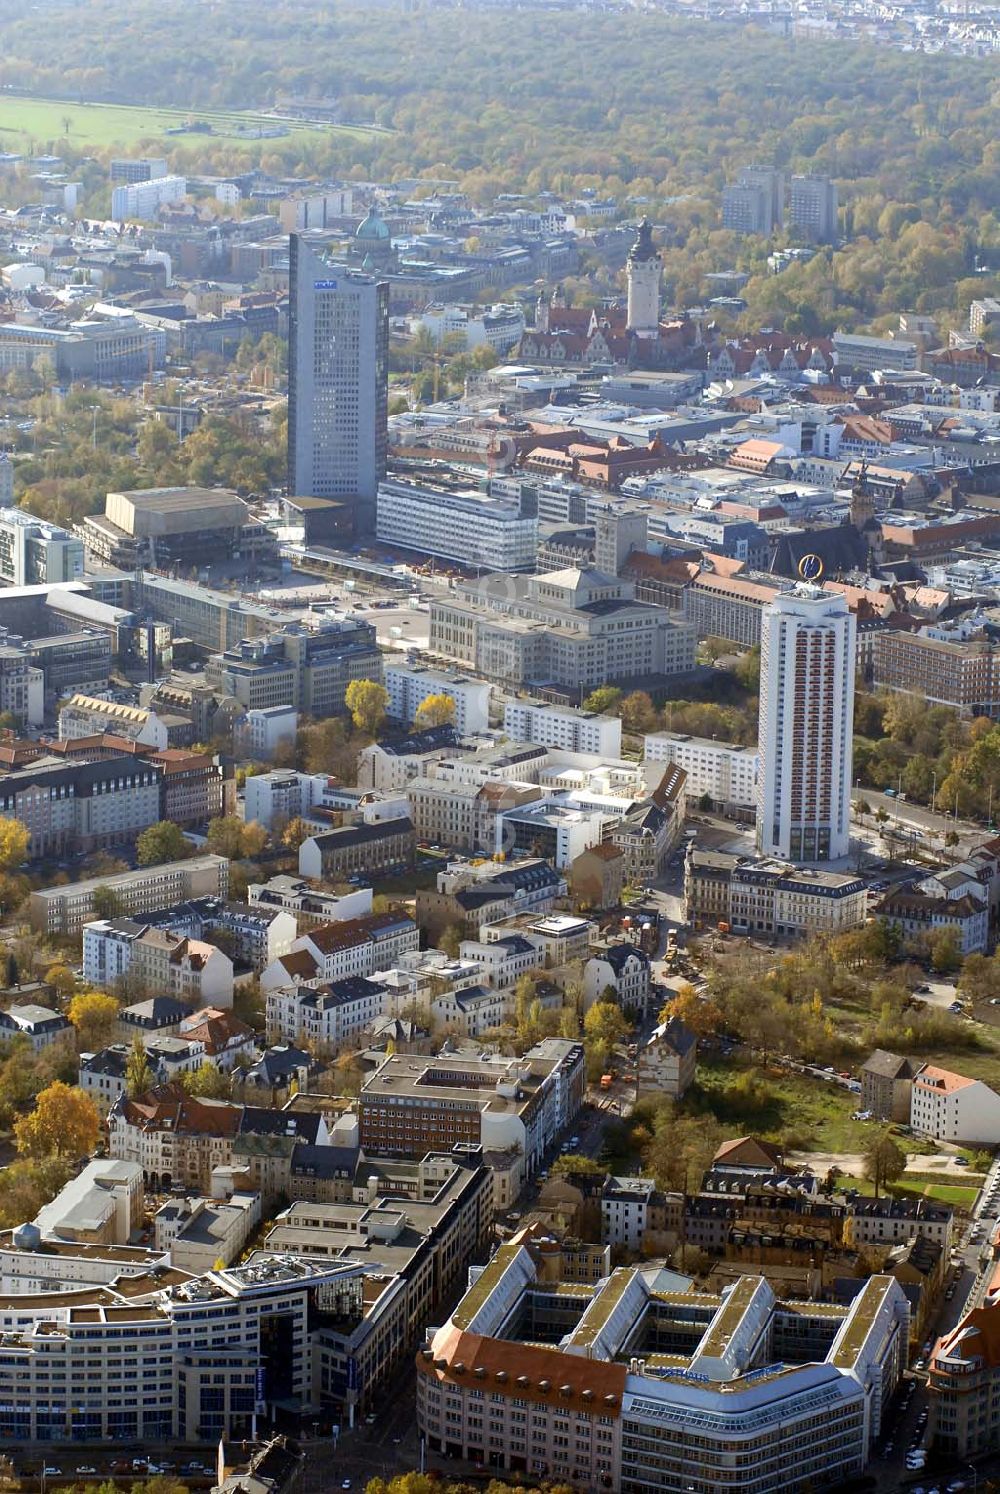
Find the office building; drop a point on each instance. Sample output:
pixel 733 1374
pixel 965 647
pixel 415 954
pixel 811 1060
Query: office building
pixel 75 807
pixel 575 629
pixel 337 383
pixel 64 910
pixel 410 684
pixel 305 669
pixel 720 771
pixel 471 528
pixel 142 199
pixel 362 849
pixel 805 726
pixel 963 674
pixel 812 208
pixel 618 531
pixel 215 620
pixel 727 607
pixel 315 208
pixel 869 354
pixel 410 1105
pixel 101 351
pixel 414 1227
pixel 634 1385
pixel 34 553
pixel 564 727
pixel 165 1356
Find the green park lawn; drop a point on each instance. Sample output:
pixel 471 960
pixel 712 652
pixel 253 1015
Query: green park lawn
pixel 36 123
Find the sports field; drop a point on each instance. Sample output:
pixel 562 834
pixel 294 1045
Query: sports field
pixel 37 124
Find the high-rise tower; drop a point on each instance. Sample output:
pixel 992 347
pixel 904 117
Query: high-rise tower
pixel 643 270
pixel 338 343
pixel 805 726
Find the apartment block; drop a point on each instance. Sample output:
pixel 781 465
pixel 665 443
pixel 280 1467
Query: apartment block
pixel 309 906
pixel 563 727
pixel 64 910
pixel 334 951
pixel 166 962
pixel 770 897
pixel 949 1107
pixel 328 1017
pixel 726 773
pixel 963 1384
pixel 409 685
pixel 141 199
pixel 886 1082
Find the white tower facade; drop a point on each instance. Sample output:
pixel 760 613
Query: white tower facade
pixel 808 643
pixel 643 271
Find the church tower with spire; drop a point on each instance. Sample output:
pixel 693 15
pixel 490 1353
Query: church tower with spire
pixel 643 271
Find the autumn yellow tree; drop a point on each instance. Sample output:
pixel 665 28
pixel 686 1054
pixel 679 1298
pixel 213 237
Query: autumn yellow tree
pixel 702 1015
pixel 367 702
pixel 93 1014
pixel 14 841
pixel 64 1123
pixel 61 979
pixel 295 832
pixel 435 710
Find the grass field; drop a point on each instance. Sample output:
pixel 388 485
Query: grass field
pixel 798 1113
pixel 40 123
pixel 944 1193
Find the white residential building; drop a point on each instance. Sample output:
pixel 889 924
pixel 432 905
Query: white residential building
pixel 409 685
pixel 805 726
pixel 264 729
pixel 142 199
pixel 949 1107
pixel 726 773
pixel 471 528
pixel 165 962
pixel 624 1211
pixel 335 951
pixel 503 961
pixel 563 726
pixel 328 1018
pixel 499 328
pixel 625 969
pixel 310 906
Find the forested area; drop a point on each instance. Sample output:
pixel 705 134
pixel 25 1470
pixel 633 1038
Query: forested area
pixel 655 109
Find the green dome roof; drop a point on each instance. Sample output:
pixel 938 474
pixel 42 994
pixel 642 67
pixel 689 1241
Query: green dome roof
pixel 372 228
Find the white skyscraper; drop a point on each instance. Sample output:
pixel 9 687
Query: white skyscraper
pixel 805 726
